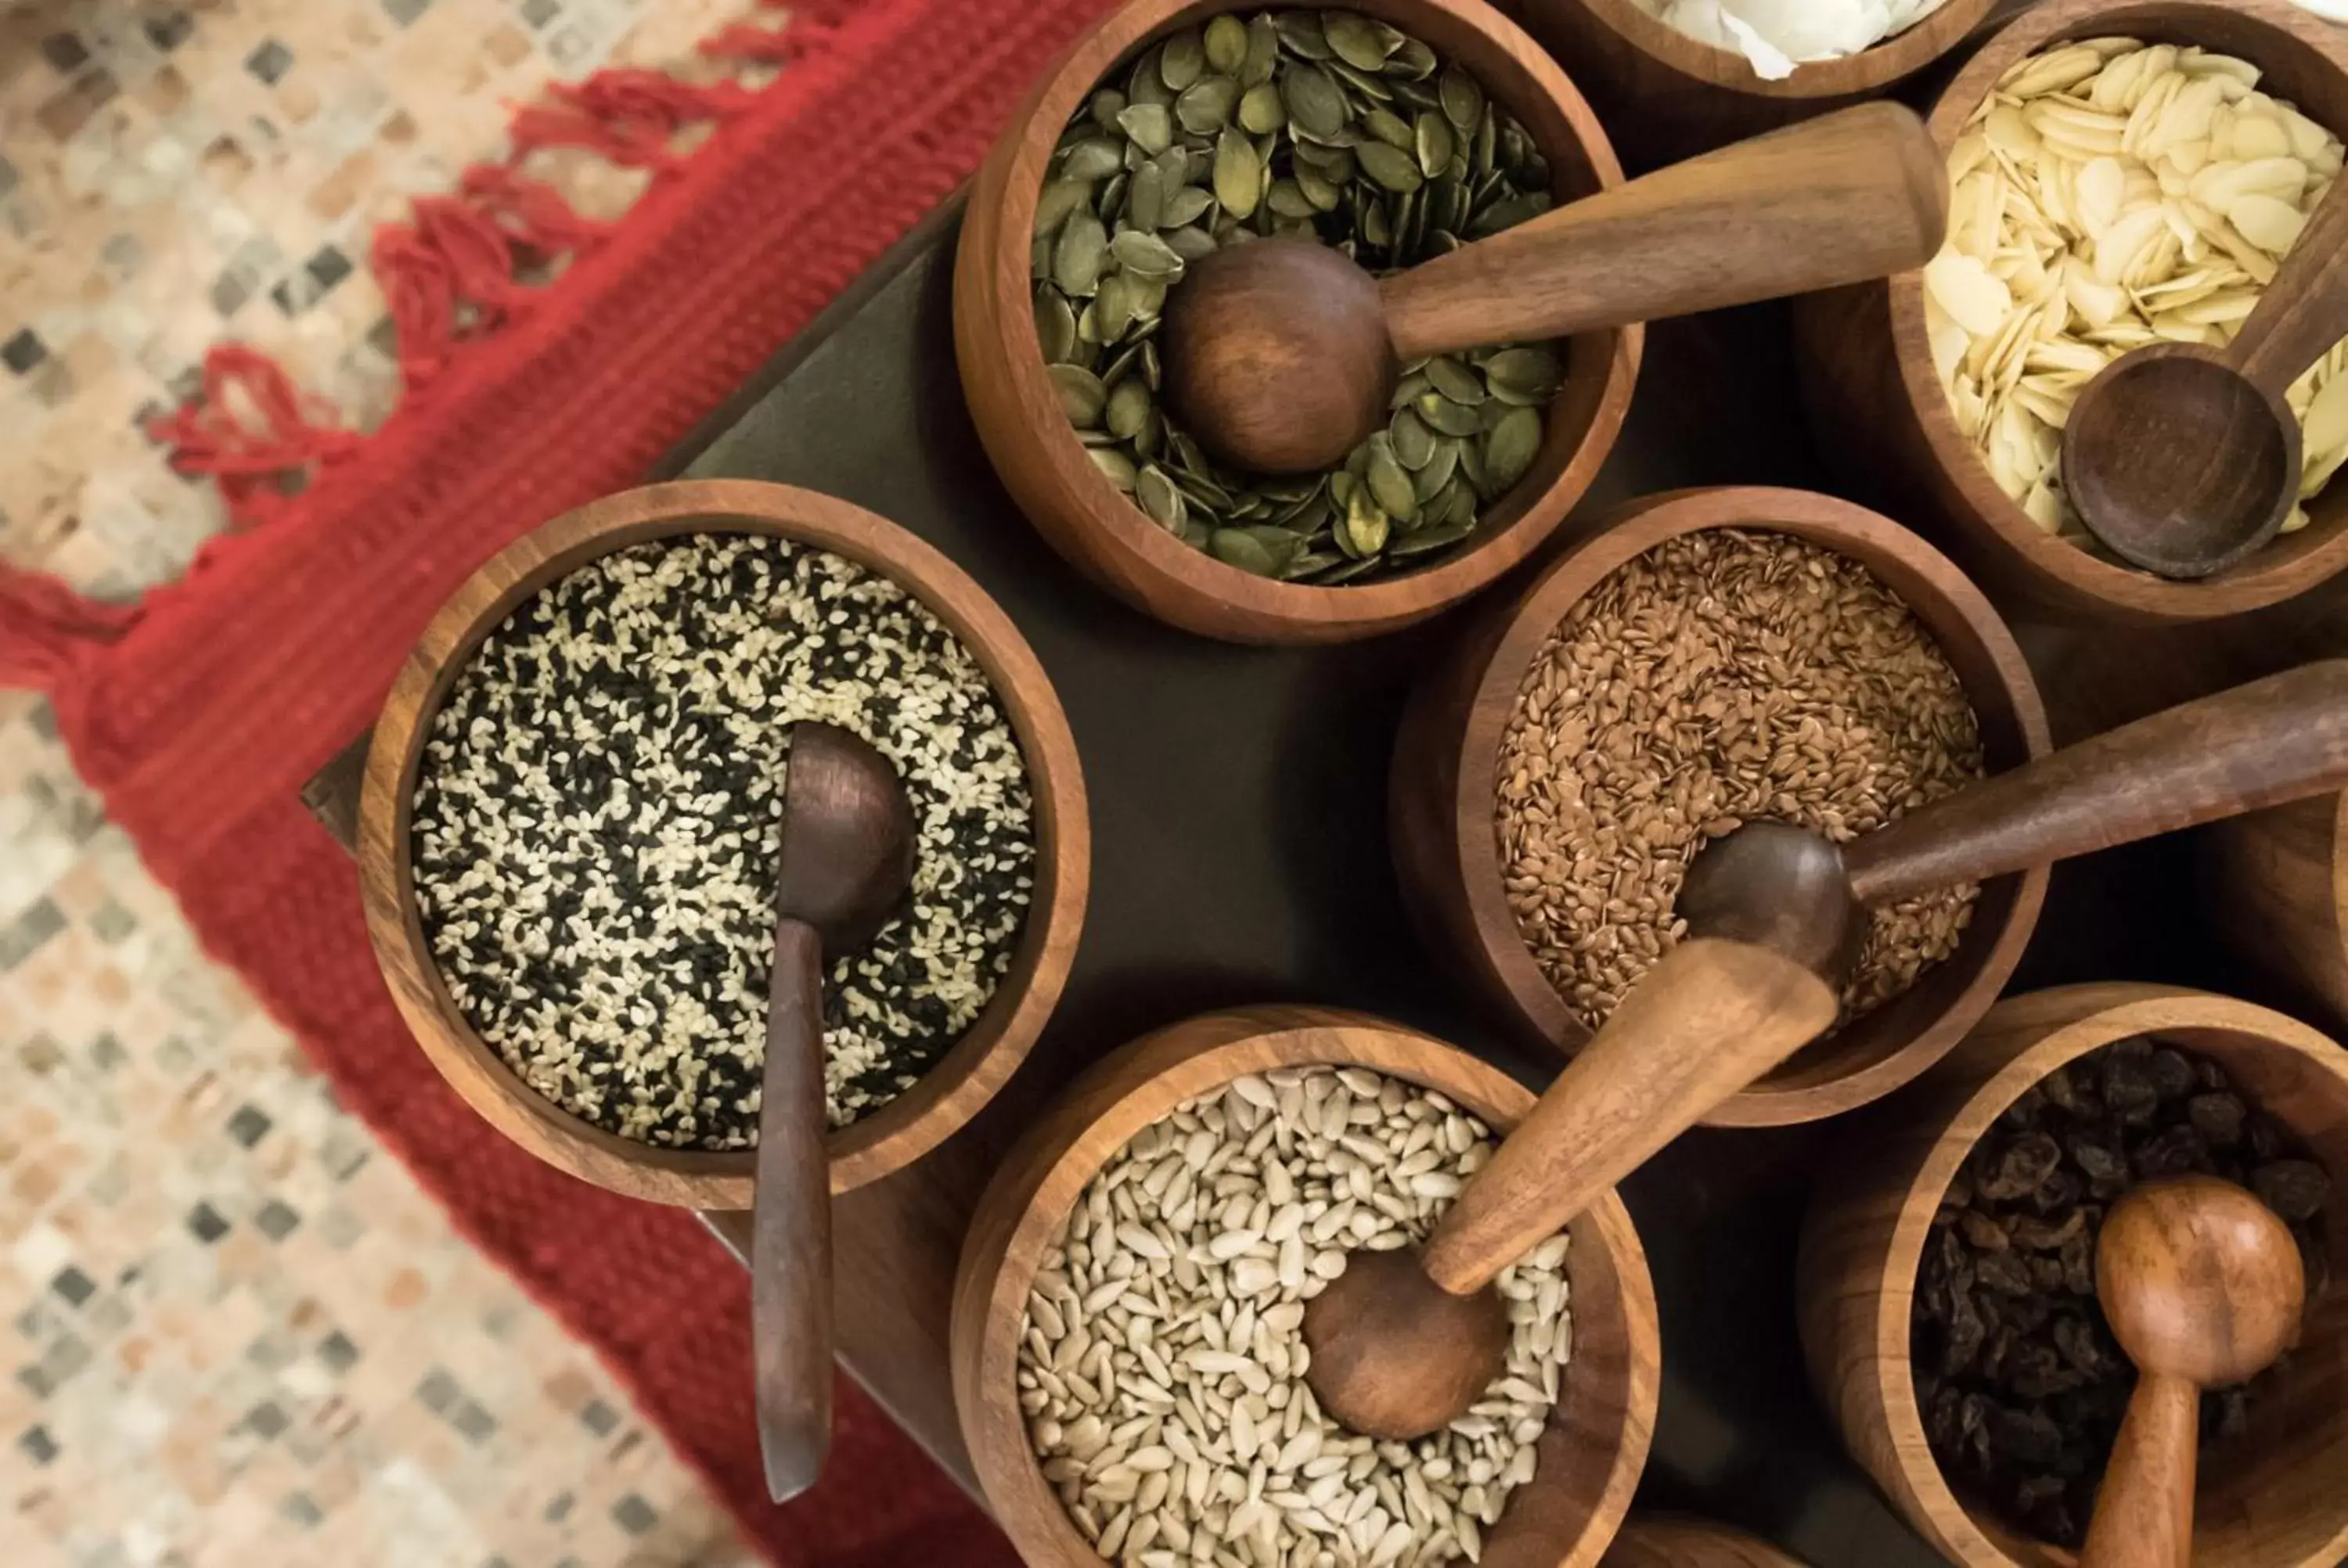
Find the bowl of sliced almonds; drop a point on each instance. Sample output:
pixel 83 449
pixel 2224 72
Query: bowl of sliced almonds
pixel 2123 175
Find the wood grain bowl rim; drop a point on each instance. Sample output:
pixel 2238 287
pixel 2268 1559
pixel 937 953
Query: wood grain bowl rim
pixel 1098 528
pixel 961 1082
pixel 1684 1540
pixel 2137 1009
pixel 1865 73
pixel 2288 567
pixel 1618 1336
pixel 1985 655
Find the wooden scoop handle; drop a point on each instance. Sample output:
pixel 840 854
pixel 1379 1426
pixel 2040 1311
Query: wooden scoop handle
pixel 2306 310
pixel 790 1225
pixel 1847 197
pixel 2273 741
pixel 2144 1509
pixel 1708 1019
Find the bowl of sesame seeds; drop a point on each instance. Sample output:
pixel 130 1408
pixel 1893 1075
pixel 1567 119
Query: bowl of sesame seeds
pixel 1700 660
pixel 1127 1351
pixel 569 832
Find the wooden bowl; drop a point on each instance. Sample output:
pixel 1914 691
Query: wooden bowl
pixel 1660 1543
pixel 1088 520
pixel 1445 779
pixel 1599 1432
pixel 1666 95
pixel 954 1090
pixel 2276 882
pixel 1879 408
pixel 2276 1498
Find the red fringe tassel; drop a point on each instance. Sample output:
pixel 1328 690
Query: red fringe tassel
pixel 42 622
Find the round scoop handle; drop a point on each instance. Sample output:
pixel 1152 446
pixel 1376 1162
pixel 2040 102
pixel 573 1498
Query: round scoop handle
pixel 2304 311
pixel 790 1225
pixel 1709 1018
pixel 1839 200
pixel 2273 741
pixel 2144 1509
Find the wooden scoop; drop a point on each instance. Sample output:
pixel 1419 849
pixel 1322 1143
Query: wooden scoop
pixel 2203 1286
pixel 1402 1344
pixel 847 865
pixel 2185 459
pixel 1282 355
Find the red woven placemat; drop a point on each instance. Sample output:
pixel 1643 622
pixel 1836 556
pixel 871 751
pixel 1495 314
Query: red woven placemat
pixel 199 713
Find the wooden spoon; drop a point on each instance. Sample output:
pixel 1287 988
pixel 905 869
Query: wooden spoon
pixel 1282 355
pixel 2203 1286
pixel 847 865
pixel 1402 1345
pixel 2184 459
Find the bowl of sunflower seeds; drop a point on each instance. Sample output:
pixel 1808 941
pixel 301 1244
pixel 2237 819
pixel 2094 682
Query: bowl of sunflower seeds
pixel 1395 132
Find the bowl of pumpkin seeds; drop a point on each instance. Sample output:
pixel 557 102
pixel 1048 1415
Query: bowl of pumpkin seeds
pixel 1395 132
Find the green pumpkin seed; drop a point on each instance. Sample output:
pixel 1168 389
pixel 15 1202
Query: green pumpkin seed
pixel 1129 406
pixel 1184 207
pixel 1185 57
pixel 1112 310
pixel 1455 381
pixel 1227 44
pixel 1425 484
pixel 1076 260
pixel 1349 572
pixel 1150 126
pixel 1060 198
pixel 1529 374
pixel 1389 482
pixel 1311 563
pixel 1435 143
pixel 1364 84
pixel 1389 166
pixel 1412 387
pixel 1377 229
pixel 1095 157
pixel 1390 127
pixel 1463 100
pixel 1357 40
pixel 1301 34
pixel 1509 450
pixel 1146 255
pixel 1206 105
pixel 1116 465
pixel 1234 547
pixel 1365 527
pixel 1315 106
pixel 1414 443
pixel 1260 112
pixel 1428 540
pixel 1412 61
pixel 1146 83
pixel 1106 105
pixel 1239 174
pixel 1287 199
pixel 1056 324
pixel 1189 243
pixel 1448 417
pixel 1262 51
pixel 1082 396
pixel 1320 193
pixel 1145 197
pixel 1161 500
pixel 1508 213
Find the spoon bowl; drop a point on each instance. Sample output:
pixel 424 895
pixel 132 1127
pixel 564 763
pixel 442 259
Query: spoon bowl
pixel 1389 1346
pixel 2179 463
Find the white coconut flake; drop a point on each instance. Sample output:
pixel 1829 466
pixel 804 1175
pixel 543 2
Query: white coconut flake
pixel 1778 37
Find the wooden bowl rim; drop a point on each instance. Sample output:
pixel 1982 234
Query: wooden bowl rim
pixel 1662 1532
pixel 1871 71
pixel 954 1088
pixel 1151 1076
pixel 1195 590
pixel 2283 569
pixel 2145 1009
pixel 1612 542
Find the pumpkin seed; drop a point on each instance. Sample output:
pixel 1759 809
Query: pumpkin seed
pixel 1116 465
pixel 1389 481
pixel 1414 443
pixel 1059 198
pixel 1311 563
pixel 1145 197
pixel 1129 408
pixel 1112 310
pixel 1314 101
pixel 1185 57
pixel 1523 376
pixel 1095 157
pixel 1358 41
pixel 1106 105
pixel 1448 417
pixel 1081 395
pixel 1239 174
pixel 1262 51
pixel 1139 252
pixel 1391 128
pixel 1455 381
pixel 1227 44
pixel 1151 126
pixel 1365 527
pixel 1425 542
pixel 1413 61
pixel 1435 143
pixel 1322 193
pixel 1076 261
pixel 1509 450
pixel 1463 100
pixel 1235 546
pixel 1206 105
pixel 1425 484
pixel 1188 242
pixel 1389 166
pixel 1301 34
pixel 1161 500
pixel 1288 200
pixel 1260 112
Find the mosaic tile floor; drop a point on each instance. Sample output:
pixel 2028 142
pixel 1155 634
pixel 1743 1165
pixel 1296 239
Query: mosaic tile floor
pixel 231 1330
